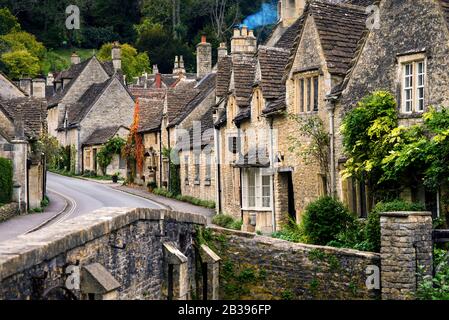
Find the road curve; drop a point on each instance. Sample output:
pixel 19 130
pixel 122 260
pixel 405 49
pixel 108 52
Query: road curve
pixel 87 196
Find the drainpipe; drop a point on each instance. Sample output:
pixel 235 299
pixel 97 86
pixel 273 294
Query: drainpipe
pixel 160 158
pixel 331 109
pixel 169 160
pixel 273 210
pixel 217 173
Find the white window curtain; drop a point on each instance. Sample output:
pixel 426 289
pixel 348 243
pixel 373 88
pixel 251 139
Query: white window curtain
pixel 256 189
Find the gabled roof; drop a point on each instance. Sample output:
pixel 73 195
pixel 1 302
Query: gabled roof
pixel 224 70
pixel 73 73
pixel 149 93
pixel 177 100
pixel 102 135
pixel 31 111
pixel 288 37
pixel 150 116
pixel 6 85
pixel 340 28
pixel 205 135
pixel 204 88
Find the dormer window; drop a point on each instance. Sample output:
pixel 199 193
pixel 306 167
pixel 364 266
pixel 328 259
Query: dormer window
pixel 413 83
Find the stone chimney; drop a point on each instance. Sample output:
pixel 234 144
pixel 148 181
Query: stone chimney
pixel 39 88
pixel 243 42
pixel 25 85
pixel 50 79
pixel 203 58
pixel 75 58
pixel 222 51
pixel 179 70
pixel 116 56
pixel 176 66
pixel 289 11
pixel 155 69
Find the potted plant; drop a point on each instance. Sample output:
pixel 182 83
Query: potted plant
pixel 115 177
pixel 151 186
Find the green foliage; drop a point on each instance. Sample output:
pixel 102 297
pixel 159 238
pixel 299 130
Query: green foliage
pixel 49 146
pixel 112 147
pixel 189 199
pixel 226 221
pixel 20 63
pixel 291 231
pixel 6 180
pixel 324 219
pixel 8 22
pixel 437 287
pixel 133 63
pixel 45 202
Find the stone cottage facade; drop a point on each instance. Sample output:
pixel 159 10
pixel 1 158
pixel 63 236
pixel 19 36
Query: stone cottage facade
pixel 89 96
pixel 22 124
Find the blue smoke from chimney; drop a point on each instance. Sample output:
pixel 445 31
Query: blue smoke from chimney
pixel 266 15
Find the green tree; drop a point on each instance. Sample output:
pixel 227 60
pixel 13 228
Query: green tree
pixel 133 63
pixel 22 40
pixel 8 22
pixel 20 63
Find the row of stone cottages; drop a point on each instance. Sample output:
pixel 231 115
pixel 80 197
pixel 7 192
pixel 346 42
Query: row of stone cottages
pixel 321 59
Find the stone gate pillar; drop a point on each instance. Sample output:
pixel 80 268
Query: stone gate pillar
pixel 406 247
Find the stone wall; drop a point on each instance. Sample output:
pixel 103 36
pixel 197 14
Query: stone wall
pixel 128 243
pixel 9 211
pixel 256 267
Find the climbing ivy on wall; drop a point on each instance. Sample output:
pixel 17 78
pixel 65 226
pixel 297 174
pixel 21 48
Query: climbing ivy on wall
pixel 5 180
pixel 112 147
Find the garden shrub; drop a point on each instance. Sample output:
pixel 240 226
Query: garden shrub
pixel 6 179
pixel 324 220
pixel 436 287
pixel 189 199
pixel 291 231
pixel 227 221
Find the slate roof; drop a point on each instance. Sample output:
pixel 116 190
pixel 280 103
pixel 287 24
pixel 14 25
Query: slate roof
pixel 73 73
pixel 177 100
pixel 288 37
pixel 167 80
pixel 31 111
pixel 224 70
pixel 102 135
pixel 272 62
pixel 204 88
pixel 149 93
pixel 340 27
pixel 151 111
pixel 275 106
pixel 244 75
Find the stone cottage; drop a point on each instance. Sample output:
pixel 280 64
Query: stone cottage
pixel 308 55
pixel 22 123
pixel 93 145
pixel 91 95
pixel 405 54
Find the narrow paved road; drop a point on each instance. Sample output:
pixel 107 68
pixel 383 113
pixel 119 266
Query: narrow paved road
pixel 86 196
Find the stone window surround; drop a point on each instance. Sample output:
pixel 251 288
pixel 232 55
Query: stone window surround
pixel 258 187
pixel 402 60
pixel 306 74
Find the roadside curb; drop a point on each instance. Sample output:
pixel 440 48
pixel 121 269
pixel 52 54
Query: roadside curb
pixel 156 201
pixel 55 216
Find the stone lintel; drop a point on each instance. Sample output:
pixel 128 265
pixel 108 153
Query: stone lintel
pixel 207 255
pixel 174 256
pixel 96 279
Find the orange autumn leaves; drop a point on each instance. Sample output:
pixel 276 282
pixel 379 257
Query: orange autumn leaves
pixel 134 149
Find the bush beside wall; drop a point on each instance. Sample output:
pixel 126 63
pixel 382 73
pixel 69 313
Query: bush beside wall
pixel 6 180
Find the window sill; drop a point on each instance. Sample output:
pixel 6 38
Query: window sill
pixel 257 209
pixel 207 183
pixel 196 183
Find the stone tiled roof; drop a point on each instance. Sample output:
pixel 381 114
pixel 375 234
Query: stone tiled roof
pixel 205 135
pixel 244 75
pixel 151 111
pixel 102 135
pixel 288 37
pixel 177 100
pixel 150 93
pixel 275 106
pixel 33 113
pixel 73 73
pixel 445 8
pixel 272 62
pixel 204 88
pixel 224 69
pixel 340 27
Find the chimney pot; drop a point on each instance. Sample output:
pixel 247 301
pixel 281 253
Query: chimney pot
pixel 203 58
pixel 75 58
pixel 203 39
pixel 116 56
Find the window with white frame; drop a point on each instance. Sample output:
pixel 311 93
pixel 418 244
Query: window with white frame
pixel 256 189
pixel 208 166
pixel 197 167
pixel 414 80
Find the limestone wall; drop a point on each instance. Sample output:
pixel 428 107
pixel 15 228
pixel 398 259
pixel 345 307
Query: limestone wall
pixel 9 211
pixel 255 267
pixel 127 242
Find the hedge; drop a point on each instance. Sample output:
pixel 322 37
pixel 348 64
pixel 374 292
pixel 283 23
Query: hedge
pixel 5 180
